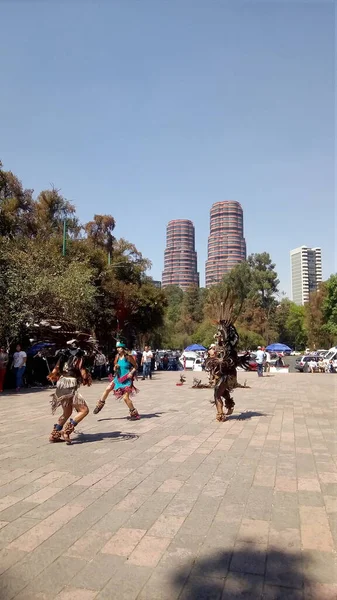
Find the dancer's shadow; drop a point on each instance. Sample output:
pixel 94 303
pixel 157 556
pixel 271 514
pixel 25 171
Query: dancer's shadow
pixel 113 436
pixel 228 574
pixel 149 416
pixel 248 414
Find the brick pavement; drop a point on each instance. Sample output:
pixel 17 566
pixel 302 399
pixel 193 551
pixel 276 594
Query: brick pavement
pixel 175 505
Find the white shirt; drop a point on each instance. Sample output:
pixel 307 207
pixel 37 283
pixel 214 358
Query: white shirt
pixel 147 356
pixel 260 357
pixel 19 359
pixel 267 356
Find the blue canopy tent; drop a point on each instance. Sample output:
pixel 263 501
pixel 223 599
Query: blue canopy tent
pixel 194 348
pixel 278 348
pixel 38 347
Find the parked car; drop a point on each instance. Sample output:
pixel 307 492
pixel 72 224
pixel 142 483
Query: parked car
pixel 301 363
pixel 190 359
pixel 252 362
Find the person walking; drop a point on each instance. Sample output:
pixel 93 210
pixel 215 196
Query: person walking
pixel 146 362
pixel 260 359
pixel 19 364
pixel 3 367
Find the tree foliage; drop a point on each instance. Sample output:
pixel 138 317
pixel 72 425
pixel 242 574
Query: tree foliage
pixel 260 316
pixel 100 284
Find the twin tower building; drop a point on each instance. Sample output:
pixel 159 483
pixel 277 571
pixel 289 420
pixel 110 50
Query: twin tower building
pixel 226 247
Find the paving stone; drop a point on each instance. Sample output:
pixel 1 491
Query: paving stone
pixel 98 572
pixel 249 558
pixel 243 586
pixel 284 568
pixel 201 518
pixel 320 591
pixel 149 551
pixel 315 529
pixel 254 530
pixel 310 498
pixel 161 586
pixel 320 567
pixel 71 593
pixel 14 530
pixel 272 592
pixel 126 582
pixel 56 576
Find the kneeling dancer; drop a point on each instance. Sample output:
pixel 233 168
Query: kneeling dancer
pixel 69 375
pixel 122 384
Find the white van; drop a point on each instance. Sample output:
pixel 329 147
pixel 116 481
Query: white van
pixel 197 364
pixel 190 359
pixel 331 355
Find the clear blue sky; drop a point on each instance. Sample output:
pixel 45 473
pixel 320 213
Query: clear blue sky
pixel 151 110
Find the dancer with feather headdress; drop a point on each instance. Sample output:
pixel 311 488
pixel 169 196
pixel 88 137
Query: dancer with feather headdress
pixel 223 360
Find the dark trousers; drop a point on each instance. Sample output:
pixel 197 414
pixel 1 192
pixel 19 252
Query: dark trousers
pixel 2 378
pixel 260 370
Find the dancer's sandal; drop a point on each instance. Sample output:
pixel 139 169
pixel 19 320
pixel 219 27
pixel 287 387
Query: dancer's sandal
pixel 100 404
pixel 68 430
pixel 221 417
pixel 134 415
pixel 56 434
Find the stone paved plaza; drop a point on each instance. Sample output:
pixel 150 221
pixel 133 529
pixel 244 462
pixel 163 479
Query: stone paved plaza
pixel 175 505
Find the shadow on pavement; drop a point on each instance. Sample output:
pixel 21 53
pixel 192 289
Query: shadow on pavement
pixel 249 574
pixel 149 416
pixel 248 414
pixel 114 436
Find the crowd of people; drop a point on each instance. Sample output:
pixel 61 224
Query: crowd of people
pixel 21 369
pixel 17 366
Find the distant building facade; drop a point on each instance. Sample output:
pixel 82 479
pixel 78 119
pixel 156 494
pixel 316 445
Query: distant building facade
pixel 226 242
pixel 306 272
pixel 180 258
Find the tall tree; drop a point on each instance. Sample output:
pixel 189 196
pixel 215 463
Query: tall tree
pixel 330 307
pixel 16 206
pixel 264 278
pixel 100 232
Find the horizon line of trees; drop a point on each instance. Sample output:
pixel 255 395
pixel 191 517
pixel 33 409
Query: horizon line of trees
pixel 261 316
pixel 101 285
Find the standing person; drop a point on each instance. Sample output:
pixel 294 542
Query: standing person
pixel 267 361
pixel 3 367
pixel 69 374
pixel 260 358
pixel 125 368
pixel 146 362
pixel 100 362
pixel 19 364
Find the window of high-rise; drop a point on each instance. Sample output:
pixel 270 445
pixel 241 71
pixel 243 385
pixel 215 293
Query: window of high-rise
pixel 180 258
pixel 226 243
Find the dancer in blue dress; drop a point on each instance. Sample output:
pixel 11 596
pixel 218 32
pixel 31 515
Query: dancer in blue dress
pixel 122 384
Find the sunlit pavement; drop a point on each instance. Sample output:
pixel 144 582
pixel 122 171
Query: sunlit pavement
pixel 175 505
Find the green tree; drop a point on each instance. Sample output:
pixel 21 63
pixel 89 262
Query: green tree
pixel 329 307
pixel 264 278
pixel 16 206
pixel 296 333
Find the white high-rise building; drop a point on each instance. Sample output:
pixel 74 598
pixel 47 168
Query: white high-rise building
pixel 306 272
